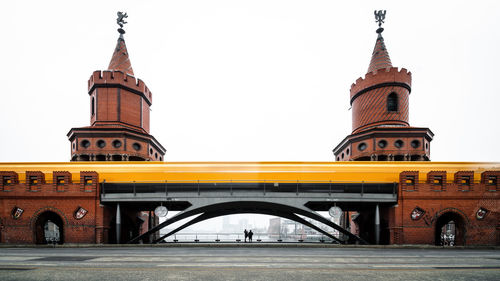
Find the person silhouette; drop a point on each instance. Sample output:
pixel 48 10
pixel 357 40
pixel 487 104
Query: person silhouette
pixel 250 234
pixel 246 235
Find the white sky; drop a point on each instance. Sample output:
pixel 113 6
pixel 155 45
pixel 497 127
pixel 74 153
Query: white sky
pixel 249 80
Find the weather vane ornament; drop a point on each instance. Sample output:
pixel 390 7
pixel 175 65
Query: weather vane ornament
pixel 121 21
pixel 379 17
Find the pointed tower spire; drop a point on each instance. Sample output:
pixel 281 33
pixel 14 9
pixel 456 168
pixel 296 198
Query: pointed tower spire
pixel 380 56
pixel 119 114
pixel 120 60
pixel 380 104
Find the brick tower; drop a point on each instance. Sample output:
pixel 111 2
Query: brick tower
pixel 119 115
pixel 380 105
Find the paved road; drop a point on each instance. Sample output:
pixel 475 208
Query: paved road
pixel 245 263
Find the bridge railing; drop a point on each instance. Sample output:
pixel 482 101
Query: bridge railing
pixel 268 186
pixel 189 237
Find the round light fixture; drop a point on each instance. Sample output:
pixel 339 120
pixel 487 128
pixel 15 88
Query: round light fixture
pixel 161 211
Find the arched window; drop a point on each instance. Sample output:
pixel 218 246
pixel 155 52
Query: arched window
pixel 93 106
pixel 392 102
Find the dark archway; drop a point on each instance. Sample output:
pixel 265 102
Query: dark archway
pixel 116 157
pixel 450 223
pixel 135 158
pixel 84 157
pixel 100 157
pixel 364 158
pixel 49 228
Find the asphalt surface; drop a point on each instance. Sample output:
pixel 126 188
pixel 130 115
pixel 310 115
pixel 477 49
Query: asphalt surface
pixel 248 263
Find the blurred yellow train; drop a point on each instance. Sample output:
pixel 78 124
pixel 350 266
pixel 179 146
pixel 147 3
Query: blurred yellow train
pixel 250 171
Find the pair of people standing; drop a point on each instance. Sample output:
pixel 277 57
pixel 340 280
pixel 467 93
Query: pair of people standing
pixel 249 235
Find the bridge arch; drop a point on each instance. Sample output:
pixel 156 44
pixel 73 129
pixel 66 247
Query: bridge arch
pixel 208 211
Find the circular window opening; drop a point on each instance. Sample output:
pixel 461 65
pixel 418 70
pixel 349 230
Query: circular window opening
pixel 342 155
pixel 415 143
pixel 338 158
pixel 156 155
pixel 73 146
pixel 161 159
pixel 426 146
pixel 151 151
pixel 362 146
pixel 101 143
pixel 136 146
pixel 117 144
pixel 398 143
pixel 347 152
pixel 382 143
pixel 85 143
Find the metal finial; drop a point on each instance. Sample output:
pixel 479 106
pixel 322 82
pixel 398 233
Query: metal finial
pixel 120 21
pixel 379 17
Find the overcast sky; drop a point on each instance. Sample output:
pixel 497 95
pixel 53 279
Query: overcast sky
pixel 249 80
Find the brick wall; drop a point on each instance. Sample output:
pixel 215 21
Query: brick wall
pixel 62 198
pixel 452 198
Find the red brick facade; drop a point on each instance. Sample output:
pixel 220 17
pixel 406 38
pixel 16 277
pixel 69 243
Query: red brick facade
pixel 59 197
pixel 446 196
pixel 380 104
pixel 119 116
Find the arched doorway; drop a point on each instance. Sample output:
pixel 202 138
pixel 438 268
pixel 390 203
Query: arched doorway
pixel 49 228
pixel 450 230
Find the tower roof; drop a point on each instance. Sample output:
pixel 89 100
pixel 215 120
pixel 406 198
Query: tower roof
pixel 380 56
pixel 120 60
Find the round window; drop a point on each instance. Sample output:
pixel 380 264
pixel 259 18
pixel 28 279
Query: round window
pixel 362 146
pixel 398 143
pixel 338 158
pixel 151 151
pixel 85 143
pixel 382 143
pixel 117 144
pixel 136 146
pixel 415 143
pixel 73 146
pixel 342 155
pixel 426 146
pixel 347 151
pixel 161 159
pixel 156 155
pixel 101 143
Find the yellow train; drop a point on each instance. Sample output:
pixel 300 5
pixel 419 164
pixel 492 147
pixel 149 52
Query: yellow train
pixel 250 171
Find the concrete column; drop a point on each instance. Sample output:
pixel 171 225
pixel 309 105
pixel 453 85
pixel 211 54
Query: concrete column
pixel 150 225
pixel 377 225
pixel 118 223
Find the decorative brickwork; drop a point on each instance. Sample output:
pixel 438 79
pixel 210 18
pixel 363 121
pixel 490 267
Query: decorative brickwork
pixel 408 180
pixel 89 181
pixel 8 179
pixel 49 201
pixel 490 180
pixel 437 180
pixel 119 116
pixel 61 180
pixel 380 104
pixel 439 207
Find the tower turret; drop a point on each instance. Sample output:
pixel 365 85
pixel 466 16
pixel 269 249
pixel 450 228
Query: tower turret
pixel 380 113
pixel 119 114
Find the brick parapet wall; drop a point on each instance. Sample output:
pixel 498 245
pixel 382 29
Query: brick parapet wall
pixel 108 77
pixel 63 199
pixel 452 197
pixel 381 76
